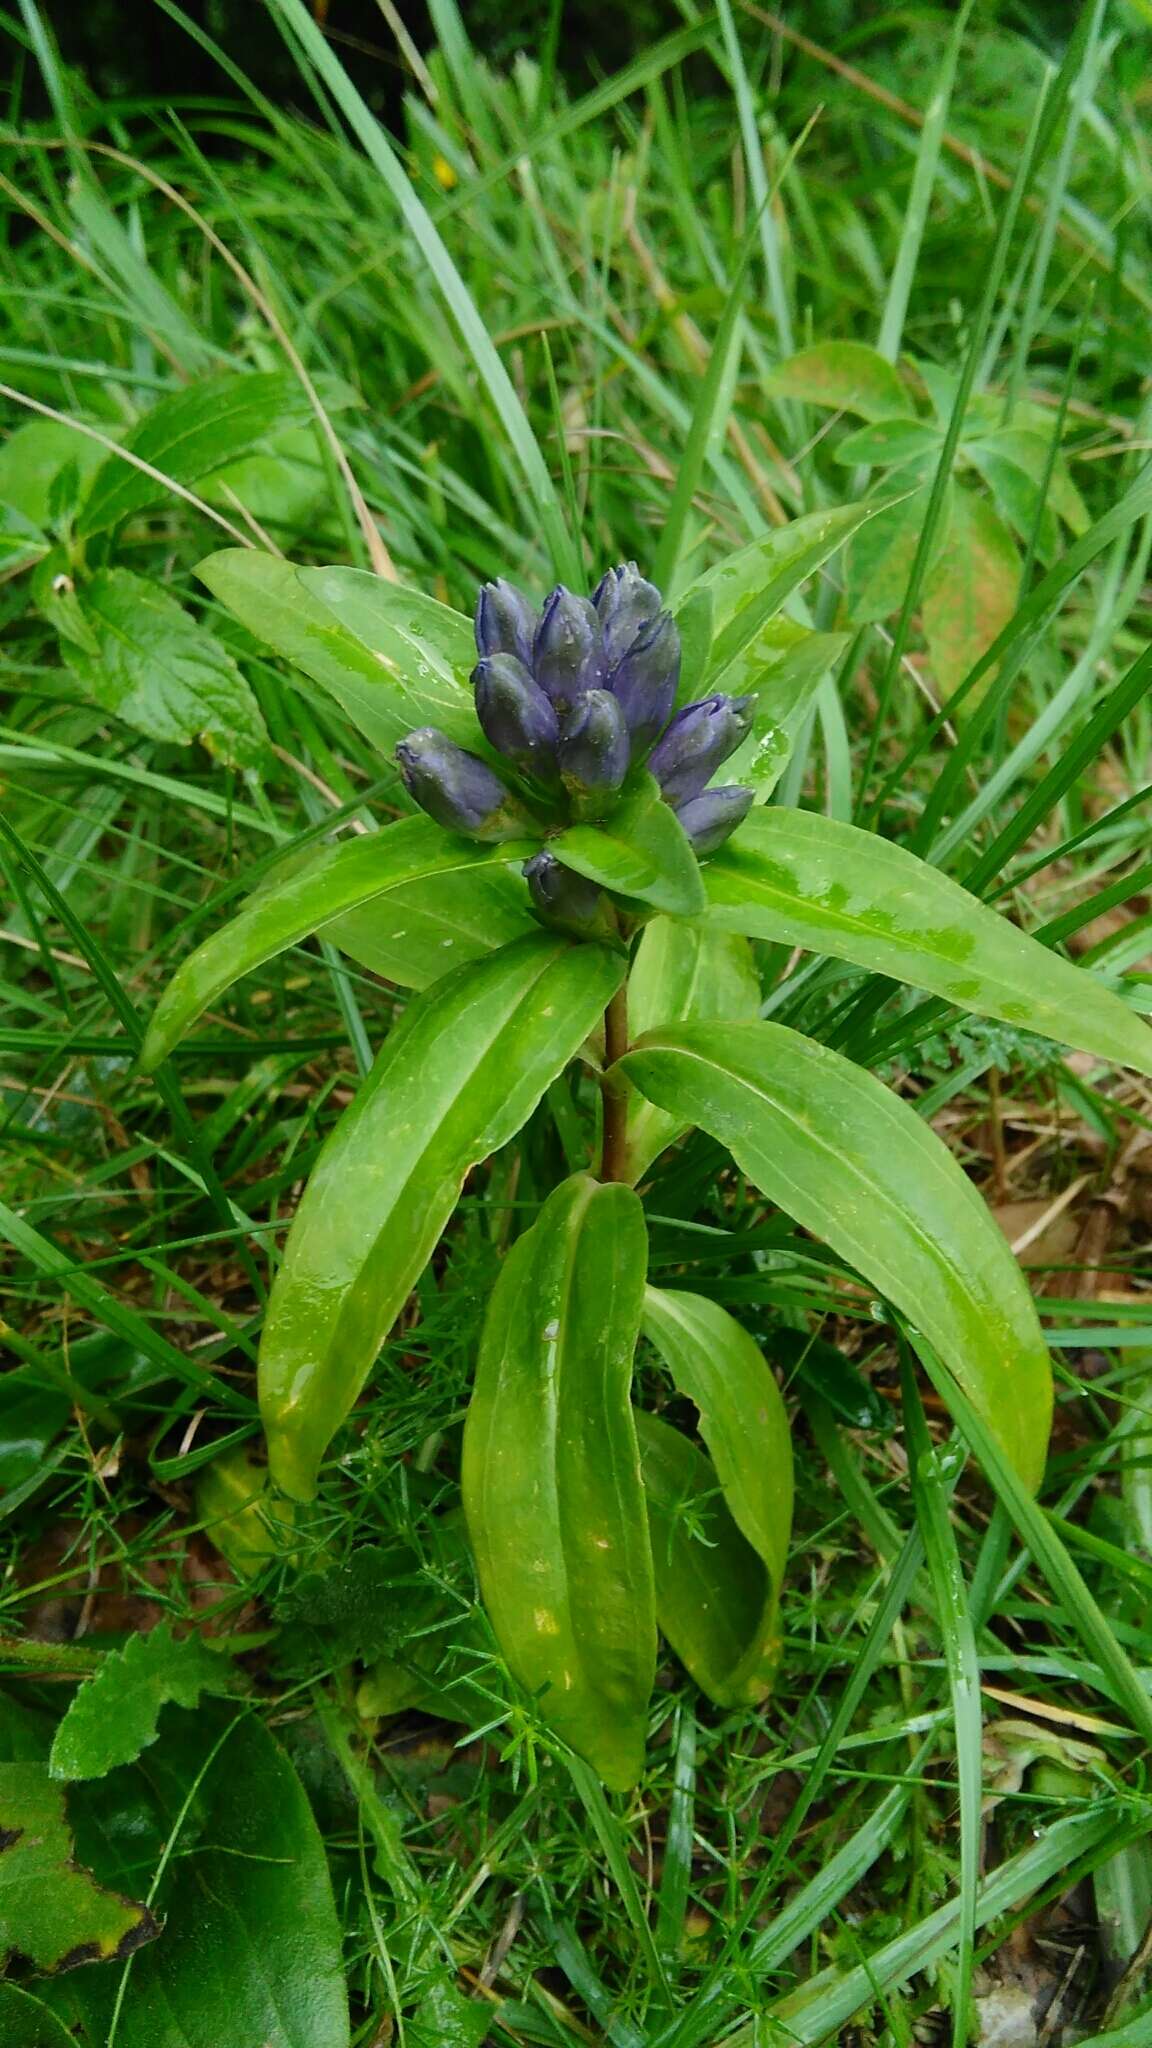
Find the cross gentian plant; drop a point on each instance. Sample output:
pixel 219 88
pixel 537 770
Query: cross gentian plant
pixel 599 891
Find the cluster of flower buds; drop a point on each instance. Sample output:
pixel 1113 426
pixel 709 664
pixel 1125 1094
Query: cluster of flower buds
pixel 572 700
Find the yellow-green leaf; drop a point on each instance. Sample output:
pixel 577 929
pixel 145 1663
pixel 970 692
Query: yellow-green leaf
pixel 551 1474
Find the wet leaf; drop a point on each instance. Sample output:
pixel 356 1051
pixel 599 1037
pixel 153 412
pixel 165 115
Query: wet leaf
pixel 856 1166
pixel 53 1913
pixel 551 1474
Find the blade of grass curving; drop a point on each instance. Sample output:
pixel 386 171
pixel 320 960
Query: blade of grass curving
pixel 943 475
pixel 1030 619
pixel 124 1010
pixel 610 1836
pixel 1070 1848
pixel 891 334
pixel 954 1620
pixel 758 181
pixel 676 1873
pixel 75 1281
pixel 1064 774
pixel 486 358
pixel 1050 1554
pixel 1082 85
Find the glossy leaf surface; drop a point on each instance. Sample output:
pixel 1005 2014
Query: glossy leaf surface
pixel 334 881
pixel 751 587
pixel 639 851
pixel 551 1474
pixel 459 1075
pixel 251 1945
pixel 53 1912
pixel 385 698
pixel 855 1166
pixel 415 934
pixel 812 881
pixel 742 1420
pixel 681 973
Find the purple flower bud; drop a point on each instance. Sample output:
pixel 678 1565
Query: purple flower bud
pixel 644 682
pixel 505 621
pixel 708 820
pixel 459 790
pixel 568 651
pixel 626 604
pixel 594 748
pixel 700 737
pixel 567 899
pixel 515 715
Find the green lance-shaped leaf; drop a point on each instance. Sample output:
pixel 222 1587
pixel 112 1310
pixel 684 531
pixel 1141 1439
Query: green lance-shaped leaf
pixel 335 881
pixel 719 1608
pixel 459 1075
pixel 811 881
pixel 551 1474
pixel 415 934
pixel 751 587
pixel 53 1912
pixel 639 851
pixel 857 1167
pixel 682 972
pixel 386 690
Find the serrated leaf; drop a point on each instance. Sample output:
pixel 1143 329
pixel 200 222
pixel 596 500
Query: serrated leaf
pixel 189 434
pixel 383 697
pixel 53 1912
pixel 551 1474
pixel 357 1609
pixel 160 671
pixel 971 591
pixel 845 374
pixel 115 1715
pixel 681 972
pixel 458 1076
pixel 640 851
pixel 805 880
pixel 733 1648
pixel 854 1164
pixel 330 883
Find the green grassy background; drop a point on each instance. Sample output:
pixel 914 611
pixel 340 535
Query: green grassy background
pixel 591 208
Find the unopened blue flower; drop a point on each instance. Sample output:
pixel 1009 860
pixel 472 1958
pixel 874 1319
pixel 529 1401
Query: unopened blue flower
pixel 515 715
pixel 644 681
pixel 699 739
pixel 711 818
pixel 568 651
pixel 459 790
pixel 594 744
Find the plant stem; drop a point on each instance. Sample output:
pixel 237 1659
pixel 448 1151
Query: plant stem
pixel 614 1089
